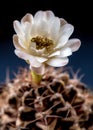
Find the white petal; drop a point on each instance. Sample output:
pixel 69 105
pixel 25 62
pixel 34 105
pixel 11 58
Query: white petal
pixel 41 28
pixel 63 40
pixel 32 48
pixel 38 18
pixel 40 24
pixel 33 30
pixel 49 14
pixel 21 54
pixel 56 53
pixel 66 29
pixel 74 44
pixel 62 22
pixel 41 59
pixel 23 31
pixel 16 43
pixel 47 24
pixel 45 15
pixel 41 19
pixel 64 52
pixel 27 57
pixel 65 32
pixel 40 15
pixel 34 64
pixel 27 18
pixel 54 27
pixel 57 62
pixel 18 28
pixel 22 43
pixel 40 51
pixel 36 52
pixel 27 33
pixel 27 30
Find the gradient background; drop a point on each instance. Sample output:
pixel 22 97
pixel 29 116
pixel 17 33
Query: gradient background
pixel 79 14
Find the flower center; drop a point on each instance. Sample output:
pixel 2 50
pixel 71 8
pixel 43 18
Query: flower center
pixel 43 42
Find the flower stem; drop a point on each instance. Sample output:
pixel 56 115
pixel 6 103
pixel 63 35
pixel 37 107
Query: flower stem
pixel 36 77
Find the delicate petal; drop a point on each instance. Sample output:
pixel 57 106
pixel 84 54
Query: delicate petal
pixel 74 44
pixel 28 57
pixel 27 18
pixel 40 59
pixel 47 25
pixel 23 30
pixel 62 22
pixel 56 53
pixel 64 52
pixel 22 54
pixel 41 19
pixel 18 28
pixel 36 52
pixel 23 43
pixel 40 25
pixel 34 64
pixel 27 30
pixel 49 14
pixel 54 27
pixel 43 15
pixel 39 15
pixel 27 33
pixel 33 30
pixel 41 28
pixel 57 62
pixel 66 29
pixel 65 33
pixel 16 43
pixel 40 52
pixel 63 40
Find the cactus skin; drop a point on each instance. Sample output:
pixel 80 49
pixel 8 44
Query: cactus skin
pixel 57 103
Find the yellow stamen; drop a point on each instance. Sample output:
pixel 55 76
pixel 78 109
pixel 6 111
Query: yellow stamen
pixel 43 42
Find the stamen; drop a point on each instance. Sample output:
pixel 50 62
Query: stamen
pixel 43 42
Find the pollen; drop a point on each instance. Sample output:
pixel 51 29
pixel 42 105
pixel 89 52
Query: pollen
pixel 43 42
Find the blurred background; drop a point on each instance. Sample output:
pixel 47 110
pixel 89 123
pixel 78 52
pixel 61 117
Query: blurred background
pixel 77 13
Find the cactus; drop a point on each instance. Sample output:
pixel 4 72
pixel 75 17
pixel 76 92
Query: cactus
pixel 59 102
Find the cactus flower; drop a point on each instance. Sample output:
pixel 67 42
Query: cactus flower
pixel 44 39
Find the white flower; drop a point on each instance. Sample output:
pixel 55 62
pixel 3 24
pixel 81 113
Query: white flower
pixel 44 39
